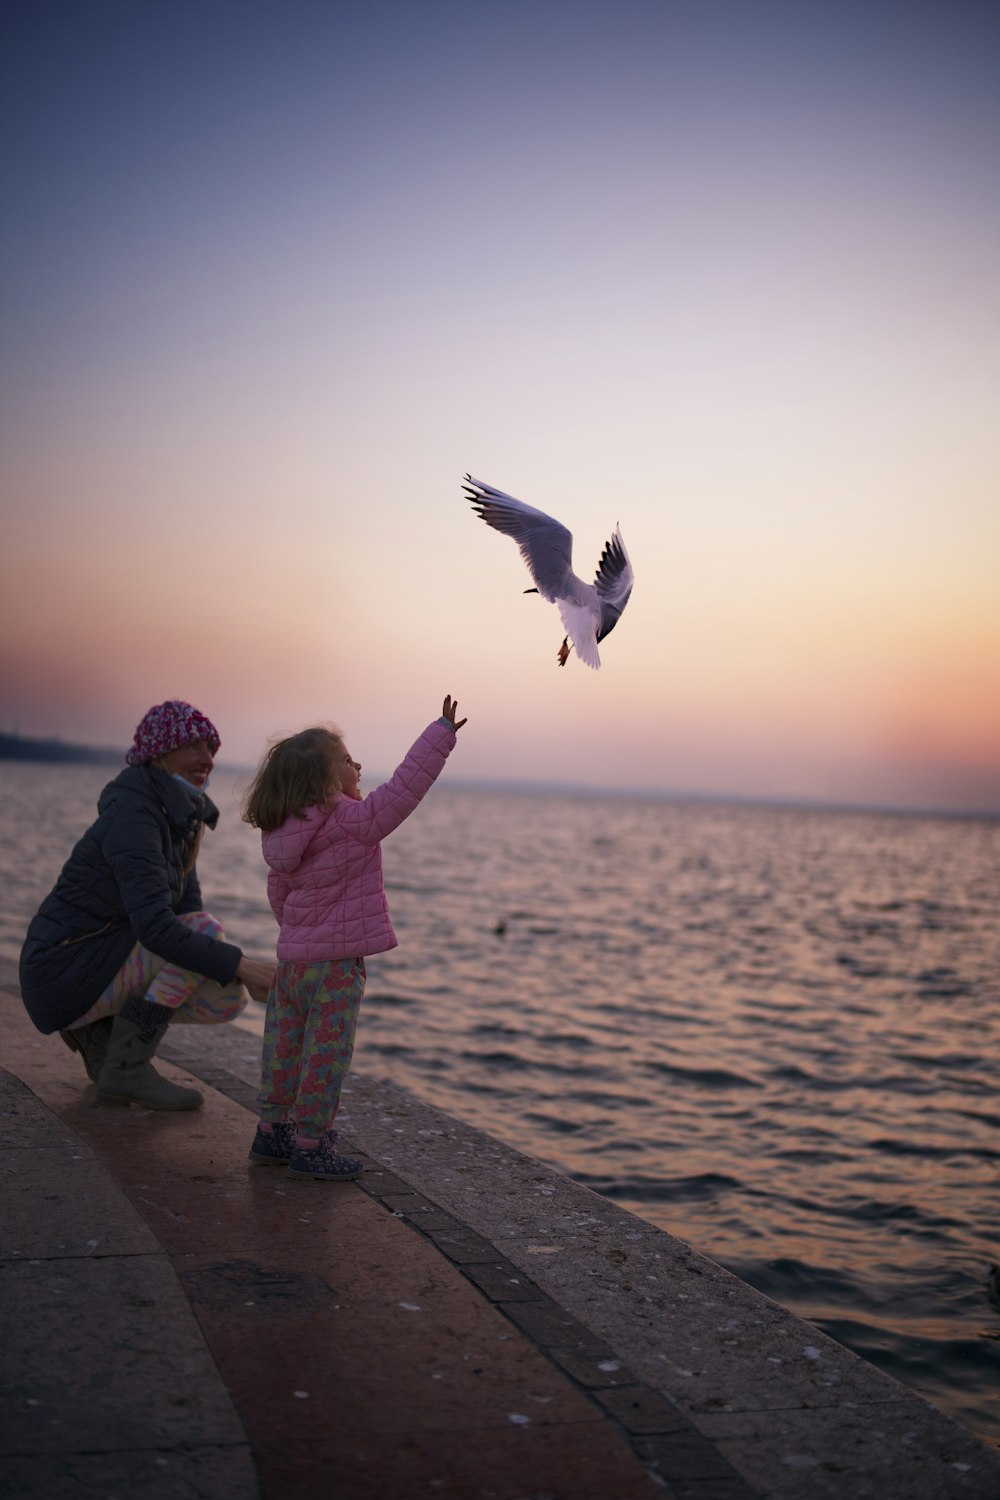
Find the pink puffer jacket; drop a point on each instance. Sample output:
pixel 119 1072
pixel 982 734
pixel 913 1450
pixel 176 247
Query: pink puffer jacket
pixel 325 879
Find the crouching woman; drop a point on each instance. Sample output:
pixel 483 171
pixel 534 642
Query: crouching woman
pixel 122 946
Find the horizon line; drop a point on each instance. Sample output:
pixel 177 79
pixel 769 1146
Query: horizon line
pixel 107 755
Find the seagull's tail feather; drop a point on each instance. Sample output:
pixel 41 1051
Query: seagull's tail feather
pixel 578 623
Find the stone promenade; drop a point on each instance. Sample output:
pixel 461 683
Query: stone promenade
pixel 462 1323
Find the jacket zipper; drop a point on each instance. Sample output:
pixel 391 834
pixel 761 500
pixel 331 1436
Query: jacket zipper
pixel 68 942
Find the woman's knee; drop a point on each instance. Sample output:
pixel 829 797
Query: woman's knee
pixel 212 1004
pixel 203 922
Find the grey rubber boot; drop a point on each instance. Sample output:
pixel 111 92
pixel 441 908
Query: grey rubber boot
pixel 92 1044
pixel 128 1076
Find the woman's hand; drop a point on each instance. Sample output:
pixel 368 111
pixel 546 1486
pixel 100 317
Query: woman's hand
pixel 450 710
pixel 258 975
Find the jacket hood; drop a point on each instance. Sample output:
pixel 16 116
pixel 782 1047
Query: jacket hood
pixel 150 784
pixel 285 847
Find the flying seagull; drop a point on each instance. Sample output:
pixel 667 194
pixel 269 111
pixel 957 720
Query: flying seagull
pixel 589 611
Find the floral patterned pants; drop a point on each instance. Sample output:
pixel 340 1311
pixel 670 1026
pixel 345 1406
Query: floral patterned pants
pixel 312 1015
pixel 191 996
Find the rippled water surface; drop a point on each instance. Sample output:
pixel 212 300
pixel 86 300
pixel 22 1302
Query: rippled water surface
pixel 772 1032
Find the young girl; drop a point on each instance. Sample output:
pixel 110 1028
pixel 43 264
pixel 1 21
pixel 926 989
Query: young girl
pixel 321 843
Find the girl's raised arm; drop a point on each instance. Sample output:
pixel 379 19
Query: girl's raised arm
pixel 388 805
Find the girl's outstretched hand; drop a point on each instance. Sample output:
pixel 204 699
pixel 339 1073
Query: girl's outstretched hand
pixel 449 711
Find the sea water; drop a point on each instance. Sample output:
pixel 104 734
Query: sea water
pixel 773 1032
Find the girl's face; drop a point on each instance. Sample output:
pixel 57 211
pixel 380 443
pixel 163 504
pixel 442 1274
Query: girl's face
pixel 347 772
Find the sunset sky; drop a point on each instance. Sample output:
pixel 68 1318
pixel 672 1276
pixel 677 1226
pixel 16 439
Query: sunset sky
pixel 275 275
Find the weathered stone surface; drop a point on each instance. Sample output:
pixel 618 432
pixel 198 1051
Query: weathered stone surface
pixel 196 1473
pixel 60 1202
pixel 105 1354
pixel 354 1351
pixel 320 1293
pixel 899 1448
pixel 718 1350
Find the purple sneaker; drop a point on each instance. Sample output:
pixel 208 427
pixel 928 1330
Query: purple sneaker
pixel 275 1149
pixel 322 1162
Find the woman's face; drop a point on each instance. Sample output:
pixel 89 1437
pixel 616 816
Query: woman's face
pixel 194 762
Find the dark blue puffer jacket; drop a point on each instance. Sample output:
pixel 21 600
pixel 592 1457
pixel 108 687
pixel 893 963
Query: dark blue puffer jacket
pixel 123 884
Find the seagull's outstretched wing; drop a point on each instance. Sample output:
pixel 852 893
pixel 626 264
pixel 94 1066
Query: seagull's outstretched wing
pixel 545 544
pixel 613 583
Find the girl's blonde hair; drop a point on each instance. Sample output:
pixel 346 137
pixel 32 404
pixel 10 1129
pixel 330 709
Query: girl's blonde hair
pixel 295 773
